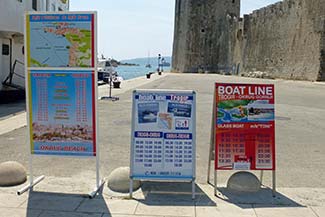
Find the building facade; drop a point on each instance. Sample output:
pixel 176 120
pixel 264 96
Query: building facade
pixel 12 37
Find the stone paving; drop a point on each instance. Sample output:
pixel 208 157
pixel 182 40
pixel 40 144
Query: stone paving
pixel 300 153
pixel 54 196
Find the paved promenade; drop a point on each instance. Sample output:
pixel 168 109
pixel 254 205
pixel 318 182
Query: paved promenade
pixel 300 151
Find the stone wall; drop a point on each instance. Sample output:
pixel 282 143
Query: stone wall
pixel 283 40
pixel 201 38
pixel 322 56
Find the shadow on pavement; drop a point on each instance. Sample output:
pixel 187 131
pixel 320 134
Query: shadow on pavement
pixel 65 205
pixel 11 102
pixel 173 194
pixel 262 198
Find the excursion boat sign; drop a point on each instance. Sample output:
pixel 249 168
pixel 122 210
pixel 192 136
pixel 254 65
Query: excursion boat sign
pixel 61 85
pixel 163 135
pixel 244 127
pixel 61 112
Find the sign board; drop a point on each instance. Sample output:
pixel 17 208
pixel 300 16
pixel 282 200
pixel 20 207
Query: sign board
pixel 61 86
pixel 61 40
pixel 62 82
pixel 244 127
pixel 163 135
pixel 61 112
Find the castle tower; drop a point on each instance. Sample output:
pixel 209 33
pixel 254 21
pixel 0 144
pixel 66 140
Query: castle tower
pixel 202 33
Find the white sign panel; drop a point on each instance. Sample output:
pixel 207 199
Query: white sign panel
pixel 163 135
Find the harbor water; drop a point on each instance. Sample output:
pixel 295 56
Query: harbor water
pixel 129 72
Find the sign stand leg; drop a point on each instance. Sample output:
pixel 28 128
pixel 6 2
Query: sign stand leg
pixel 32 182
pixel 31 177
pixel 193 189
pixel 97 171
pixel 131 188
pixel 261 177
pixel 211 143
pixel 273 183
pixel 96 190
pixel 215 183
pixel 209 164
pixel 99 183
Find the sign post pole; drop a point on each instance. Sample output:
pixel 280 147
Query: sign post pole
pixel 193 189
pixel 131 188
pixel 212 137
pixel 261 176
pixel 273 183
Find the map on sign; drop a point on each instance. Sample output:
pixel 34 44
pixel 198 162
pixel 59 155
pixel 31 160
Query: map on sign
pixel 61 40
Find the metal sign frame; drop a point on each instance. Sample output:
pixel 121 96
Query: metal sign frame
pixel 32 181
pixel 212 153
pixel 193 177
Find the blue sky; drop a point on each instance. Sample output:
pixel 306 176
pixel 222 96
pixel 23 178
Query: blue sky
pixel 132 28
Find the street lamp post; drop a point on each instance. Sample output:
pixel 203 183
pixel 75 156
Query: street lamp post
pixel 158 68
pixel 162 64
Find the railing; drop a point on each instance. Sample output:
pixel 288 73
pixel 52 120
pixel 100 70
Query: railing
pixel 12 73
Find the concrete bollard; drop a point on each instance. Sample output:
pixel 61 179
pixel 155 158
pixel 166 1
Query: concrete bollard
pixel 119 180
pixel 243 182
pixel 12 173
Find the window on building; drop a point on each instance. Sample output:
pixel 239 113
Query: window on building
pixel 53 7
pixel 5 49
pixel 34 5
pixel 60 9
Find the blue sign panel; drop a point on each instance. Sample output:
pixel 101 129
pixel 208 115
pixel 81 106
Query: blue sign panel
pixel 61 112
pixel 163 137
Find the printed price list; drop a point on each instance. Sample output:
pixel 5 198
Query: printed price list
pixel 42 103
pixel 230 145
pixel 81 103
pixel 264 151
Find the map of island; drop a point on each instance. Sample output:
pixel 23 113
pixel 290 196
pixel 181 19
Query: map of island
pixel 245 111
pixel 63 41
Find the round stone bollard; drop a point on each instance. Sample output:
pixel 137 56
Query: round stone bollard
pixel 12 173
pixel 119 180
pixel 243 182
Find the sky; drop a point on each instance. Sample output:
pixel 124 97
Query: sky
pixel 139 28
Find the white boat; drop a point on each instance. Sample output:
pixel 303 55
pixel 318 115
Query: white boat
pixel 107 72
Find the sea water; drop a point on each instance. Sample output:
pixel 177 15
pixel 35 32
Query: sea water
pixel 129 72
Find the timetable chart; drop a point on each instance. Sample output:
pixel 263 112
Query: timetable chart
pixel 163 138
pixel 178 152
pixel 148 149
pixel 264 149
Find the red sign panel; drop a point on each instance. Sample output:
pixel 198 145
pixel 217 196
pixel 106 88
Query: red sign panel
pixel 245 127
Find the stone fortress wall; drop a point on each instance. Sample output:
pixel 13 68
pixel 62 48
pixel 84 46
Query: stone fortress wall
pixel 283 40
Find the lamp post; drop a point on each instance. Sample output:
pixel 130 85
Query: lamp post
pixel 158 68
pixel 162 64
